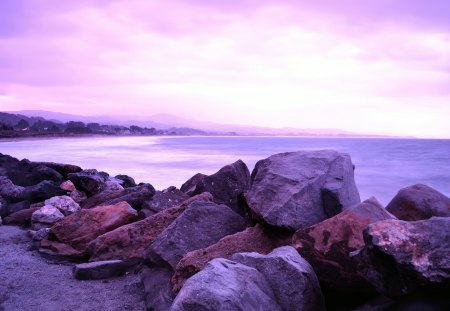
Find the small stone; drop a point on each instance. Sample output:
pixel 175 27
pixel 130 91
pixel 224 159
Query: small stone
pixel 68 186
pixel 47 214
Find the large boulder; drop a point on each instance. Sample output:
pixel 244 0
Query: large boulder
pixel 408 257
pixel 291 278
pixel 126 181
pixel 10 192
pixel 227 185
pixel 21 218
pixel 47 215
pixel 162 200
pixel 71 235
pixel 63 169
pixel 295 190
pixel 130 241
pixel 64 203
pixel 200 225
pixel 89 181
pixel 327 246
pixel 135 196
pixel 157 288
pixel 419 202
pixel 16 207
pixel 226 285
pixel 254 239
pixel 42 191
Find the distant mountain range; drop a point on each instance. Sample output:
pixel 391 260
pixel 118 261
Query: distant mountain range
pixel 191 127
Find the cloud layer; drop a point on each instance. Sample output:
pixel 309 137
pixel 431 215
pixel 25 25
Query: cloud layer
pixel 376 67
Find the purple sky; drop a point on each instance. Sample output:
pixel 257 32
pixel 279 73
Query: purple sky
pixel 372 66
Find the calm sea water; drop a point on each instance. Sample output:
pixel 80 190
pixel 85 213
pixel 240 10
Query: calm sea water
pixel 383 166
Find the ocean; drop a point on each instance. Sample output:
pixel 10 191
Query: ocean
pixel 383 166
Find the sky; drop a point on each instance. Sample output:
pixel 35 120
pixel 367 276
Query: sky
pixel 367 66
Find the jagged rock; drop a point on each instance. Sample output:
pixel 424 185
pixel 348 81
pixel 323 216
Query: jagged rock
pixel 47 215
pixel 63 169
pixel 21 218
pixel 71 235
pixel 226 185
pixel 419 202
pixel 253 239
pixel 162 200
pixel 129 241
pixel 78 196
pixel 134 196
pixel 291 278
pixel 295 190
pixel 226 285
pixel 68 186
pixel 10 192
pixel 99 270
pixel 408 257
pixel 89 181
pixel 127 181
pixel 64 203
pixel 200 225
pixel 327 246
pixel 157 288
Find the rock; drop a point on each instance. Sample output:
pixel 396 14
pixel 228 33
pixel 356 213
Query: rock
pixel 113 184
pixel 43 191
pixel 157 288
pixel 11 192
pixel 200 225
pixel 127 181
pixel 129 241
pixel 78 229
pixel 253 239
pixel 21 218
pixel 295 190
pixel 47 215
pixel 63 169
pixel 16 207
pixel 226 285
pixel 163 200
pixel 68 186
pixel 419 202
pixel 89 181
pixel 134 196
pixel 226 185
pixel 99 270
pixel 64 203
pixel 1 221
pixel 291 278
pixel 78 196
pixel 41 234
pixel 408 257
pixel 327 246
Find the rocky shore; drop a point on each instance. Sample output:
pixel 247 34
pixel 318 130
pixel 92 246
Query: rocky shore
pixel 291 235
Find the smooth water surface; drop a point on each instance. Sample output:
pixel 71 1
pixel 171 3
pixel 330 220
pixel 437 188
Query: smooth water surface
pixel 383 166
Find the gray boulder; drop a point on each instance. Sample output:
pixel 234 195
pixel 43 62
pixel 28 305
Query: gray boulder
pixel 126 181
pixel 292 279
pixel 162 200
pixel 226 185
pixel 200 225
pixel 99 270
pixel 157 288
pixel 10 192
pixel 226 285
pixel 64 203
pixel 419 202
pixel 89 181
pixel 47 215
pixel 295 190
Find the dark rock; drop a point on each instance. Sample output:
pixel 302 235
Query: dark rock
pixel 163 200
pixel 89 181
pixel 127 181
pixel 296 190
pixel 419 202
pixel 200 225
pixel 63 169
pixel 327 246
pixel 99 270
pixel 226 285
pixel 291 278
pixel 253 239
pixel 71 235
pixel 20 218
pixel 10 192
pixel 16 207
pixel 129 241
pixel 43 191
pixel 78 196
pixel 157 288
pixel 134 196
pixel 408 257
pixel 226 186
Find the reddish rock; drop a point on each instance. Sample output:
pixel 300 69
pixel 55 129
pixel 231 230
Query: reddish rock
pixel 130 241
pixel 327 245
pixel 67 186
pixel 20 218
pixel 419 202
pixel 78 229
pixel 253 239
